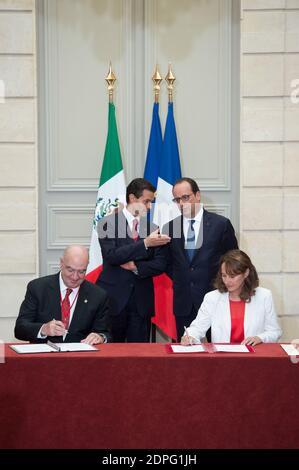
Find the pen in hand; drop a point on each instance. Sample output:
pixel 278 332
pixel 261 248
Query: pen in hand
pixel 187 336
pixel 65 330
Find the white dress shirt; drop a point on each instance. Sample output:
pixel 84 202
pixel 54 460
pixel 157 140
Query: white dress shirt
pixel 130 218
pixel 196 225
pixel 73 301
pixel 73 296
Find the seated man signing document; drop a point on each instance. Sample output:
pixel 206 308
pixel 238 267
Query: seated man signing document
pixel 64 306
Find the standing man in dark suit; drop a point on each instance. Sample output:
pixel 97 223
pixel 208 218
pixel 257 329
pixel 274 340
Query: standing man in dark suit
pixel 133 252
pixel 198 240
pixel 63 306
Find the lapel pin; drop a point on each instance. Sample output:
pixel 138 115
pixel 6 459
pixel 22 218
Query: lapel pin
pixel 85 301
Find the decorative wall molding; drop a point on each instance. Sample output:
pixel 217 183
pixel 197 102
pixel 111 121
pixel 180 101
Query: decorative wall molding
pixel 221 209
pixel 125 115
pixel 53 268
pixel 59 241
pixel 150 59
pixel 127 82
pixel 222 180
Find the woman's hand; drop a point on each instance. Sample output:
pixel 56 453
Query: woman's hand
pixel 187 340
pixel 252 340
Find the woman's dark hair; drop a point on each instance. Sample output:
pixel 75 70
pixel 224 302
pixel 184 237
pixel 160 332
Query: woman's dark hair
pixel 137 186
pixel 237 262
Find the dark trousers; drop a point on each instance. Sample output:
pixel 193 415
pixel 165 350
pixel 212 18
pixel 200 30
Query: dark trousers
pixel 129 326
pixel 186 320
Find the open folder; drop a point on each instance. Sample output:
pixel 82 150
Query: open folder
pixel 210 348
pixel 52 347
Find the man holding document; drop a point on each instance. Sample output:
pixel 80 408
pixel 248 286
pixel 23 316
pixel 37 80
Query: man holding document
pixel 64 306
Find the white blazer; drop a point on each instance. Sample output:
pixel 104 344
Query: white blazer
pixel 259 320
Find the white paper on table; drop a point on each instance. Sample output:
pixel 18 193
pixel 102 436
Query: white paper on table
pixel 176 348
pixel 46 348
pixel 290 349
pixel 239 348
pixel 71 347
pixel 32 348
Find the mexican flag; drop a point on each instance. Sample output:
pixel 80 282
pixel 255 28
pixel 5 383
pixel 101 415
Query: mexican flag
pixel 111 192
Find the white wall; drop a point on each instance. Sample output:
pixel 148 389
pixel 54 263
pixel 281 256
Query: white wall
pixel 270 150
pixel 18 158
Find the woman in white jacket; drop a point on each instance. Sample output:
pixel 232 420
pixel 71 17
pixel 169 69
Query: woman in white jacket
pixel 238 311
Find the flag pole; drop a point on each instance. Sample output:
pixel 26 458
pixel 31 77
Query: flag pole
pixel 170 79
pixel 157 79
pixel 110 79
pixel 111 189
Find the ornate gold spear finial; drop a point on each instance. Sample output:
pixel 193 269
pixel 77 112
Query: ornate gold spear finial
pixel 110 79
pixel 157 79
pixel 170 78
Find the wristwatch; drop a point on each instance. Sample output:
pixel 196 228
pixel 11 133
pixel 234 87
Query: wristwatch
pixel 104 337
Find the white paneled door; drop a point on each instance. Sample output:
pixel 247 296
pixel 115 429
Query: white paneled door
pixel 77 39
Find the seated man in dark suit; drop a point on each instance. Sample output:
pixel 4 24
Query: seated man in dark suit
pixel 64 306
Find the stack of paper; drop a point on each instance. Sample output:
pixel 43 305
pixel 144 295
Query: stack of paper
pixel 290 349
pixel 211 348
pixel 46 348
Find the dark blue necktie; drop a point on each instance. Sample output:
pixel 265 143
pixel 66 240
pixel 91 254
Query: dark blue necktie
pixel 190 241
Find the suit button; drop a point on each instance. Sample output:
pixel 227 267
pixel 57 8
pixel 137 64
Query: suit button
pixel 132 285
pixel 192 284
pixel 192 269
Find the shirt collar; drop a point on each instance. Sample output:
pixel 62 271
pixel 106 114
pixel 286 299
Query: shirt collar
pixel 130 217
pixel 197 217
pixel 63 287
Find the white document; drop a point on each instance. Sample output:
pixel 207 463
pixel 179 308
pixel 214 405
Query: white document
pixel 71 347
pixel 32 348
pixel 176 348
pixel 46 348
pixel 239 348
pixel 290 349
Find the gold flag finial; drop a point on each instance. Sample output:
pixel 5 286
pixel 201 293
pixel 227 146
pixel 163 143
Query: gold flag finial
pixel 157 79
pixel 170 78
pixel 110 79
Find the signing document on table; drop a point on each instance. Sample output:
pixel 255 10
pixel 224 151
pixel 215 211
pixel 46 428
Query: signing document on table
pixel 52 347
pixel 211 348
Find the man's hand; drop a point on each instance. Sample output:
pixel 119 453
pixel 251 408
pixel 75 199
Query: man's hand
pixel 156 239
pixel 93 338
pixel 129 266
pixel 53 328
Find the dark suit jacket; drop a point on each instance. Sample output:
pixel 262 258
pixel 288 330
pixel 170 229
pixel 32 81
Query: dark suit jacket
pixel 191 281
pixel 118 248
pixel 42 304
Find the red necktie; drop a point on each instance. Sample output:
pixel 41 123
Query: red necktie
pixel 135 234
pixel 66 308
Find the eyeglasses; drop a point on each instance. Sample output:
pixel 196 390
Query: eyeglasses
pixel 184 198
pixel 70 270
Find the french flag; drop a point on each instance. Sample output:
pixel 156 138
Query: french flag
pixel 163 160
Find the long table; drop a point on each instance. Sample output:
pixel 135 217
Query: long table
pixel 139 396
